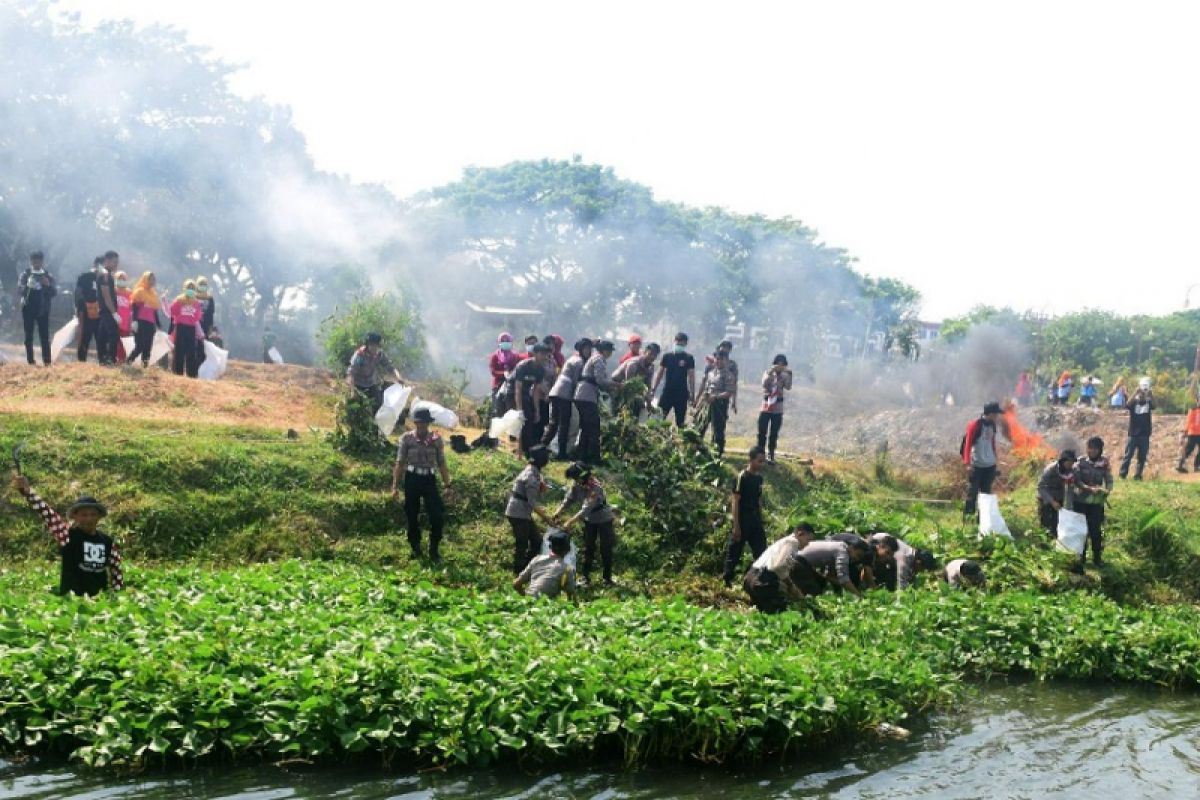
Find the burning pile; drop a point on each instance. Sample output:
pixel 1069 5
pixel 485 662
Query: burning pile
pixel 1026 444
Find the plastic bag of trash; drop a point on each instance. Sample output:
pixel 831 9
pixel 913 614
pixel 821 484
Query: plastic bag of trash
pixel 991 523
pixel 394 399
pixel 275 356
pixel 441 415
pixel 127 343
pixel 1072 531
pixel 161 346
pixel 508 425
pixel 215 361
pixel 569 558
pixel 63 337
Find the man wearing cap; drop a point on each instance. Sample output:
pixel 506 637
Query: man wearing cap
pixel 634 351
pixel 549 575
pixel 362 374
pixel 527 379
pixel 769 579
pixel 89 557
pixel 679 389
pixel 593 379
pixel 979 455
pixel 562 398
pixel 421 452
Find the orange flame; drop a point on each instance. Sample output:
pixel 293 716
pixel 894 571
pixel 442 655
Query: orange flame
pixel 1025 443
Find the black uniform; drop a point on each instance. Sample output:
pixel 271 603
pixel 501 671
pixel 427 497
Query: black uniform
pixel 675 395
pixel 37 289
pixel 87 310
pixel 527 376
pixel 748 488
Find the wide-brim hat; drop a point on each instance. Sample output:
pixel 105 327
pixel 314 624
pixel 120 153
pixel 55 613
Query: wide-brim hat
pixel 87 502
pixel 422 415
pixel 993 408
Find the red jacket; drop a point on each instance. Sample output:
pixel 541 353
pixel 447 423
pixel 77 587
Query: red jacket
pixel 500 363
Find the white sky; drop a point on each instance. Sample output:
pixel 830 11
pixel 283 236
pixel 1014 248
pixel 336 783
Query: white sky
pixel 1042 155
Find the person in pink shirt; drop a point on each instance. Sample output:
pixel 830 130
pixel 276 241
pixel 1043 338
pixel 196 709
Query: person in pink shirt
pixel 185 321
pixel 144 306
pixel 124 312
pixel 502 362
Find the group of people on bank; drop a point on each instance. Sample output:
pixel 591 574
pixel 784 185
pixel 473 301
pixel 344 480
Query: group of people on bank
pixel 109 308
pixel 548 387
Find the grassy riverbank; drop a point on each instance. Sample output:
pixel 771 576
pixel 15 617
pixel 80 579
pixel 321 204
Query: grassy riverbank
pixel 324 662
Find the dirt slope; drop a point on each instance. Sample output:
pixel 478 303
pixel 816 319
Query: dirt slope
pixel 268 395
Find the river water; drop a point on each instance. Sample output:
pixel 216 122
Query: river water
pixel 1021 741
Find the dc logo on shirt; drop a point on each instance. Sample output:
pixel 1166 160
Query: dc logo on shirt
pixel 93 555
pixel 1141 408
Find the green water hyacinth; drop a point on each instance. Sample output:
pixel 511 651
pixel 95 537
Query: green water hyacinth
pixel 329 663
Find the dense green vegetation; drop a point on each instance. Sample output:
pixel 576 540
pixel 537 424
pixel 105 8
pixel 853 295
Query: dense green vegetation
pixel 318 662
pixel 337 645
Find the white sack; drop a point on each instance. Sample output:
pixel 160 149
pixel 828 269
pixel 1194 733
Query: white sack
pixel 441 415
pixel 508 425
pixel 1072 531
pixel 215 361
pixel 274 354
pixel 63 337
pixel 162 346
pixel 990 520
pixel 394 399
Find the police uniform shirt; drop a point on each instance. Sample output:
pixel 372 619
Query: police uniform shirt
pixel 564 386
pixel 420 454
pixel 526 491
pixel 595 507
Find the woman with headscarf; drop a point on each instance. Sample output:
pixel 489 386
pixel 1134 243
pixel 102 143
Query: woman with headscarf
pixel 185 318
pixel 208 312
pixel 124 312
pixel 144 306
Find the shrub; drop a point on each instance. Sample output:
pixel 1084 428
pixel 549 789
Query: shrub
pixel 393 317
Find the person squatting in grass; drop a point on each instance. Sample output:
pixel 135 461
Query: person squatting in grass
pixel 776 381
pixel 746 504
pixel 598 518
pixel 562 397
pixel 1093 484
pixel 89 558
pixel 769 582
pixel 1054 490
pixel 963 573
pixel 897 562
pixel 420 453
pixel 527 490
pixel 549 575
pixel 979 455
pixel 827 563
pixel 362 374
pixel 862 573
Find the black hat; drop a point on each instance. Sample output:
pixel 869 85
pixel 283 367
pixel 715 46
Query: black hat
pixel 972 570
pixel 87 501
pixel 925 560
pixel 540 348
pixel 578 471
pixel 539 455
pixel 422 415
pixel 605 344
pixel 583 343
pixel 1067 455
pixel 374 338
pixel 993 408
pixel 780 359
pixel 560 542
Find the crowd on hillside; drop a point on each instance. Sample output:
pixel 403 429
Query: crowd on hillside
pixel 121 317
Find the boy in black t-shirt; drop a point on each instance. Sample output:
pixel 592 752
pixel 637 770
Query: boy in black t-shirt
pixel 746 504
pixel 679 390
pixel 89 556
